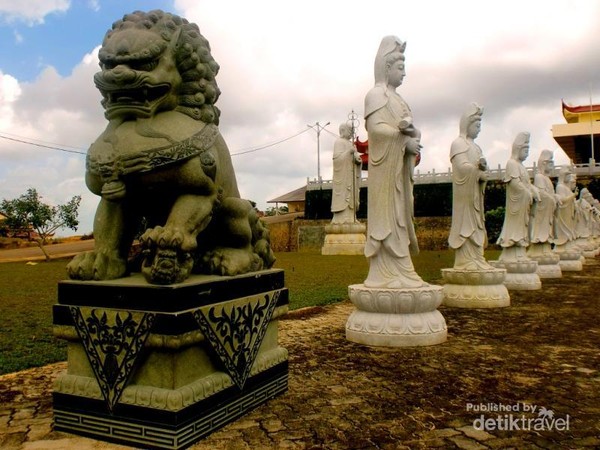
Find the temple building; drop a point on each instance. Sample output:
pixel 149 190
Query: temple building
pixel 580 136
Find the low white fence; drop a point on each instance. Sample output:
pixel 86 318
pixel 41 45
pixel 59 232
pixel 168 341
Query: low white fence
pixel 431 177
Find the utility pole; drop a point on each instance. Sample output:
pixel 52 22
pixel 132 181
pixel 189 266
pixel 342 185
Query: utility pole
pixel 353 122
pixel 593 159
pixel 318 128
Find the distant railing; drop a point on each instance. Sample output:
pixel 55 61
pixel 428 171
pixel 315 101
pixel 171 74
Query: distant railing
pixel 432 177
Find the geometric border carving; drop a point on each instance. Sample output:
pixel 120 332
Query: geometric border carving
pixel 155 436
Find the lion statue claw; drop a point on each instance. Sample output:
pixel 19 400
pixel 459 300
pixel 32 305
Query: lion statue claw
pixel 162 161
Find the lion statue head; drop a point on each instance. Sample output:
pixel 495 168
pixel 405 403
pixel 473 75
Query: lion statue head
pixel 156 61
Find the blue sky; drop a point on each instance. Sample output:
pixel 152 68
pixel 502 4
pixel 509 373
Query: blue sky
pixel 287 65
pixel 63 37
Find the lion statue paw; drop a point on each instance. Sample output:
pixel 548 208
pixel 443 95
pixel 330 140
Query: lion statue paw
pixel 230 262
pixel 96 265
pixel 166 265
pixel 167 257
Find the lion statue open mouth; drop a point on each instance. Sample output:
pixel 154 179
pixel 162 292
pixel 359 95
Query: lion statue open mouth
pixel 162 161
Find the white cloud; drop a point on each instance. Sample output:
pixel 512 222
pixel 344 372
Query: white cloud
pixel 94 5
pixel 312 61
pixel 31 12
pixel 52 111
pixel 288 65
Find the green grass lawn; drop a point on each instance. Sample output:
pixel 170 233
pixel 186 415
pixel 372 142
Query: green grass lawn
pixel 27 293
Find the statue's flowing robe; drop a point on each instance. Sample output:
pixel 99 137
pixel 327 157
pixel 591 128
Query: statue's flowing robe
pixel 542 212
pixel 467 195
pixel 583 219
pixel 390 232
pixel 515 230
pixel 346 177
pixel 390 214
pixel 564 219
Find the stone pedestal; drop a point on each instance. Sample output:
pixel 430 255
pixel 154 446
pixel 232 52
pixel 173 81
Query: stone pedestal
pixel 548 261
pixel 548 266
pixel 570 259
pixel 521 275
pixel 163 366
pixel 475 288
pixel 344 239
pixel 396 317
pixel 588 250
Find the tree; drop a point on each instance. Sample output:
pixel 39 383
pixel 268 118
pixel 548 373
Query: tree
pixel 28 212
pixel 494 220
pixel 272 211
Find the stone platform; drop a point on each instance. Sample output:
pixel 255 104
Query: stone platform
pixel 475 288
pixel 344 239
pixel 396 317
pixel 548 265
pixel 164 366
pixel 570 261
pixel 521 275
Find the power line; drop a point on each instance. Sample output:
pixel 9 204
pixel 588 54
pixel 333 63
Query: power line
pixel 62 149
pixel 51 147
pixel 268 145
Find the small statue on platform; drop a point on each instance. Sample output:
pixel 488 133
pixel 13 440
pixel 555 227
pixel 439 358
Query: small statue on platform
pixel 583 215
pixel 565 213
pixel 520 194
pixel 346 178
pixel 468 235
pixel 543 210
pixel 394 144
pixel 162 161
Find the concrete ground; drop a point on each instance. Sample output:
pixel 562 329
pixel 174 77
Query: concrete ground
pixel 541 352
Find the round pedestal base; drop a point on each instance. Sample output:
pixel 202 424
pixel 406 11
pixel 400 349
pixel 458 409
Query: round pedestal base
pixel 523 281
pixel 344 244
pixel 475 288
pixel 545 271
pixel 396 317
pixel 521 275
pixel 570 265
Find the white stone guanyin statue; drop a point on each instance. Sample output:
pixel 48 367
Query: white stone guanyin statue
pixel 521 271
pixel 583 224
pixel 472 282
pixel 542 211
pixel 345 235
pixel 541 227
pixel 346 178
pixel 594 221
pixel 520 194
pixel 565 213
pixel 468 235
pixel 394 143
pixel 583 215
pixel 565 221
pixel 394 306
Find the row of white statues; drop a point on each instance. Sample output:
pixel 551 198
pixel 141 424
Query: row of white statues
pixel 545 229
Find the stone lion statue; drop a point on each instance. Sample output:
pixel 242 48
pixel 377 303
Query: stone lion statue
pixel 162 161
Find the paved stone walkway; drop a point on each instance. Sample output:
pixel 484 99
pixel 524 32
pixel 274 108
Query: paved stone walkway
pixel 347 396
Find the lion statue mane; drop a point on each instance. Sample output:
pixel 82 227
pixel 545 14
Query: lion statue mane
pixel 161 166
